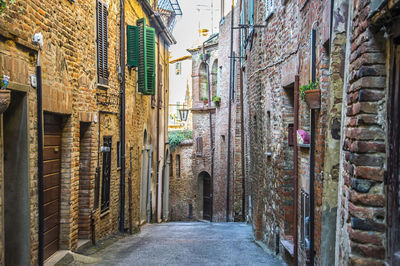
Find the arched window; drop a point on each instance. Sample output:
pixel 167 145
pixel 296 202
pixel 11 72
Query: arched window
pixel 203 90
pixel 214 78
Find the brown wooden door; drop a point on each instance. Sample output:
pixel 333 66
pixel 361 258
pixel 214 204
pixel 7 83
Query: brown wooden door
pixel 51 182
pixel 394 165
pixel 207 197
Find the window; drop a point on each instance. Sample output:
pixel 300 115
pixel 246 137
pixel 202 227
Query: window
pixel 178 165
pixel 141 53
pixel 305 221
pixel 178 68
pixel 105 183
pixel 171 163
pixel 199 146
pixel 102 44
pixel 118 154
pixel 269 8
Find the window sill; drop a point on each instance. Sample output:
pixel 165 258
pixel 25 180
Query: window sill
pixel 102 86
pixel 288 245
pixel 104 213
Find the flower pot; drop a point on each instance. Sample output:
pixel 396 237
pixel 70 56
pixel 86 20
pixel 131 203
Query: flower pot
pixel 313 98
pixel 5 98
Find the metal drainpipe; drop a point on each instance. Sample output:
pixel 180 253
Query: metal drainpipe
pixel 228 174
pixel 40 159
pixel 122 94
pixel 158 128
pixel 312 148
pixel 242 148
pixel 296 170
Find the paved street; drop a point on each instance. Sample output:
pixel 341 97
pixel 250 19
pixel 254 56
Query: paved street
pixel 189 244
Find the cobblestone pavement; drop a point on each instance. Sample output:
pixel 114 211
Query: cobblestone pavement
pixel 188 244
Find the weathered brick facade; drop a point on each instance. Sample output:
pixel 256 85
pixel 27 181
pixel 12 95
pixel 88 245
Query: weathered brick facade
pixel 354 51
pixel 88 111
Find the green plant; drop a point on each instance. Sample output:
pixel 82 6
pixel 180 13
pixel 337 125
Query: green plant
pixel 307 87
pixel 216 100
pixel 176 137
pixel 204 99
pixel 3 4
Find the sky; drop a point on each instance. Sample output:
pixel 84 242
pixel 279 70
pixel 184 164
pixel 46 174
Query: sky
pixel 195 14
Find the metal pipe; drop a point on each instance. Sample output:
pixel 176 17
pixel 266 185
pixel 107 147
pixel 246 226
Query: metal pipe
pixel 211 138
pixel 158 128
pixel 130 190
pixel 242 148
pixel 312 148
pixel 40 162
pixel 228 174
pixel 295 164
pixel 122 94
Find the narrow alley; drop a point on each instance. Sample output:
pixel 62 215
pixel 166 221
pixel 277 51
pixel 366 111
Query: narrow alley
pixel 211 132
pixel 191 243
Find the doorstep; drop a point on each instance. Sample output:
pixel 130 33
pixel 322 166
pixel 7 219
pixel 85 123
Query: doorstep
pixel 288 245
pixel 56 257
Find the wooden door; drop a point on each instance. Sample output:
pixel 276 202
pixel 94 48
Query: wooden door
pixel 105 185
pixel 393 165
pixel 51 182
pixel 207 197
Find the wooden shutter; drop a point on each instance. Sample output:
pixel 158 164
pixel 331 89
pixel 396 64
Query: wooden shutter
pixel 147 62
pixel 102 43
pixel 132 46
pixel 150 61
pixel 142 77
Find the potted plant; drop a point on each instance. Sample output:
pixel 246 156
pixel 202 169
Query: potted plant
pixel 5 95
pixel 216 100
pixel 311 94
pixel 205 100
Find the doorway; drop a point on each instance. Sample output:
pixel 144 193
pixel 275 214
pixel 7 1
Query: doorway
pixel 393 163
pixel 16 182
pixel 51 182
pixel 207 195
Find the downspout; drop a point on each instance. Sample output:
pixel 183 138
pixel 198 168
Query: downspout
pixel 122 95
pixel 130 190
pixel 295 163
pixel 242 148
pixel 228 174
pixel 211 133
pixel 312 147
pixel 158 128
pixel 39 41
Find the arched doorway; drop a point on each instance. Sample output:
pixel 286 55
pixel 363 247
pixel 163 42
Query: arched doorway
pixel 206 190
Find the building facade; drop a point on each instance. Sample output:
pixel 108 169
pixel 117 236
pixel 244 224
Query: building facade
pixel 75 158
pixel 334 191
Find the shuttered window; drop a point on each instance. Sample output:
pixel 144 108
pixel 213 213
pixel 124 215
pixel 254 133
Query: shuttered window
pixel 142 54
pixel 132 46
pixel 102 43
pixel 199 146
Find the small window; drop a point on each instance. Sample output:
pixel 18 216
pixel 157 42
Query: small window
pixel 305 221
pixel 171 164
pixel 178 165
pixel 118 154
pixel 199 146
pixel 269 8
pixel 102 43
pixel 178 68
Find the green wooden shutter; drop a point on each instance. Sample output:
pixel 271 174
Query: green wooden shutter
pixel 150 61
pixel 146 58
pixel 142 76
pixel 132 46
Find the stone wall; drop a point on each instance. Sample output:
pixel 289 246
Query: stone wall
pixel 70 88
pixel 183 187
